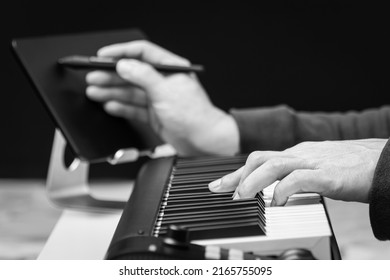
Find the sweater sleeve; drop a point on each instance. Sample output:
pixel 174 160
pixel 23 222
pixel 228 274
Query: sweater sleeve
pixel 380 197
pixel 280 127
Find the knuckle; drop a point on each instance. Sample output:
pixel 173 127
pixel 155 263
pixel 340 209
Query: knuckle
pixel 131 97
pixel 104 94
pixel 254 157
pixel 115 93
pixel 142 43
pixel 305 144
pixel 145 47
pixel 142 69
pixel 298 179
pixel 275 164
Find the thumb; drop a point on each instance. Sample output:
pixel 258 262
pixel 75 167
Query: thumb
pixel 139 73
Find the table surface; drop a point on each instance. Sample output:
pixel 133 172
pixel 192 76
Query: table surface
pixel 35 228
pixel 94 229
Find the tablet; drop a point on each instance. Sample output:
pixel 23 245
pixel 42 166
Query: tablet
pixel 90 132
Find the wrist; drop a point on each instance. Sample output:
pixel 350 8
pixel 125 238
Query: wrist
pixel 220 136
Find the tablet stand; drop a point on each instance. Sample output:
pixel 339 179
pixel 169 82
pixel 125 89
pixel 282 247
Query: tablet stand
pixel 68 187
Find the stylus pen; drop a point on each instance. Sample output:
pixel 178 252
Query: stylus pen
pixel 109 63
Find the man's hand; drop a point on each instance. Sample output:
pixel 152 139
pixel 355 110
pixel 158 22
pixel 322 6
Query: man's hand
pixel 340 170
pixel 175 105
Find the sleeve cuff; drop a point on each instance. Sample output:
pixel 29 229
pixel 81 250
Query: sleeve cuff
pixel 380 196
pixel 268 128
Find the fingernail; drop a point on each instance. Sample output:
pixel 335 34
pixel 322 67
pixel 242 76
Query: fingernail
pixel 127 64
pixel 236 195
pixel 215 184
pixel 128 68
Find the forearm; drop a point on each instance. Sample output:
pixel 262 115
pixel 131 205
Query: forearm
pixel 277 128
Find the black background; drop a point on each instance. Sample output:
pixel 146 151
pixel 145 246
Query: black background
pixel 329 56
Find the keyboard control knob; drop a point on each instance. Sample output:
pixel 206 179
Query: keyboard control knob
pixel 296 254
pixel 177 236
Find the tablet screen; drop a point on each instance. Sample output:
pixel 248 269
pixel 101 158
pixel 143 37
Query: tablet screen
pixel 92 134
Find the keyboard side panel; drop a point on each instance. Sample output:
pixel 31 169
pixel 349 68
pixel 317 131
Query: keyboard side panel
pixel 140 212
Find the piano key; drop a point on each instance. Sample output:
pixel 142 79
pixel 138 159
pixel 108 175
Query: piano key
pixel 237 217
pixel 207 169
pixel 208 196
pixel 188 186
pixel 208 214
pixel 184 189
pixel 205 180
pixel 224 231
pixel 205 212
pixel 214 160
pixel 202 197
pixel 206 203
pixel 213 207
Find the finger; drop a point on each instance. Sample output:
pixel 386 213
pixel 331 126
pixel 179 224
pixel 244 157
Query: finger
pixel 227 183
pixel 255 160
pixel 143 50
pixel 126 111
pixel 128 94
pixel 103 78
pixel 270 171
pixel 139 73
pixel 299 181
